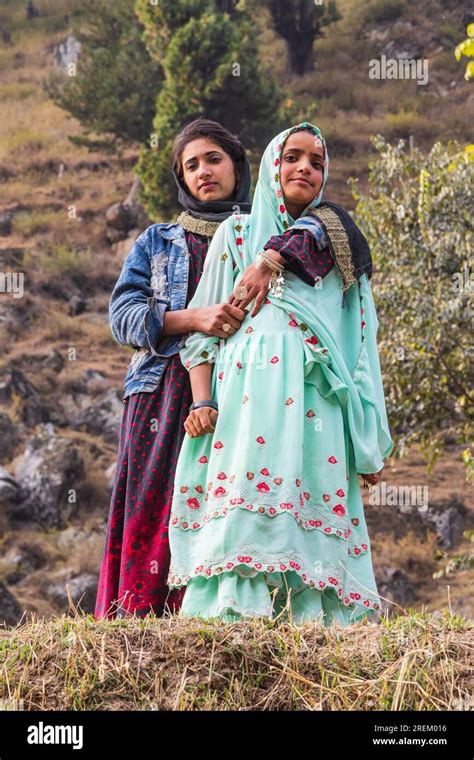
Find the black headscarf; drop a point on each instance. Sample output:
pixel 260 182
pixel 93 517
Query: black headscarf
pixel 217 211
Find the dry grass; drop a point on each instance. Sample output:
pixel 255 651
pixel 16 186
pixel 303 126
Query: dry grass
pixel 34 222
pixel 413 662
pixel 94 337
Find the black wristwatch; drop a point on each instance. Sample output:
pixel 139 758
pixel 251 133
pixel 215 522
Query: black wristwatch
pixel 199 404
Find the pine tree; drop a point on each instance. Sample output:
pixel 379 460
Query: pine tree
pixel 300 22
pixel 115 87
pixel 211 67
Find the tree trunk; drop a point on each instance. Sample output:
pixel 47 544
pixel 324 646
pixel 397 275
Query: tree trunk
pixel 300 55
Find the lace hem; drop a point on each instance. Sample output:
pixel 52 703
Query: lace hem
pixel 317 519
pixel 348 593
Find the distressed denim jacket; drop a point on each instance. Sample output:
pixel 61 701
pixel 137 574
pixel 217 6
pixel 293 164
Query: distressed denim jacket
pixel 154 279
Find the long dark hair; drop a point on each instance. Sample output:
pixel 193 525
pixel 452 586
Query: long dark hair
pixel 204 127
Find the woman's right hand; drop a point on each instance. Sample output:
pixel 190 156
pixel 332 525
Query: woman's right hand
pixel 209 319
pixel 371 479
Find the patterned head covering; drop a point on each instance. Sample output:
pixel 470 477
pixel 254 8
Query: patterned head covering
pixel 269 190
pixel 269 214
pixel 270 217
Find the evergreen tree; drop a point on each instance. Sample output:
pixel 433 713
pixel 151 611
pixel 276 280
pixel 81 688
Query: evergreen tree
pixel 211 66
pixel 116 83
pixel 300 22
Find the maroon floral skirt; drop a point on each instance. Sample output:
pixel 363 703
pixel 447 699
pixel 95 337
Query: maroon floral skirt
pixel 136 555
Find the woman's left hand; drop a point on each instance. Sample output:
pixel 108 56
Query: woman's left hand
pixel 257 282
pixel 372 478
pixel 200 421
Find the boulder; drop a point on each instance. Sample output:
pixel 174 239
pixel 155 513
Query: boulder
pixel 83 588
pixel 95 382
pixel 10 609
pixel 102 416
pixel 6 219
pixel 53 360
pixel 125 221
pixel 14 383
pixel 9 491
pixel 22 560
pixel 67 52
pixel 50 473
pixel 396 586
pixel 77 305
pixel 110 475
pixel 448 519
pixel 119 217
pixel 16 321
pixel 74 537
pixel 8 437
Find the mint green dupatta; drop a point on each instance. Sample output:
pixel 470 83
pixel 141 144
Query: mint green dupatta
pixel 340 346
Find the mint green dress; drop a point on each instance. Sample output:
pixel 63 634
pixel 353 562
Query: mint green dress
pixel 267 514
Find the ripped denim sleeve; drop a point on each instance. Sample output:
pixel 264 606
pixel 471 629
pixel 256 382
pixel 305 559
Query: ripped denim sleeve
pixel 140 299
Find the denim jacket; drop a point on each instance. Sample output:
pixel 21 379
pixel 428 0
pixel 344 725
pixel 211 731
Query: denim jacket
pixel 154 279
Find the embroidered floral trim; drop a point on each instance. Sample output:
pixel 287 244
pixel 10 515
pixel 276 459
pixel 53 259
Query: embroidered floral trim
pixel 209 355
pixel 362 328
pixel 322 581
pixel 238 232
pixel 319 519
pixel 362 312
pixel 322 352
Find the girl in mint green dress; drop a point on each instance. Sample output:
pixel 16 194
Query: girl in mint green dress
pixel 267 512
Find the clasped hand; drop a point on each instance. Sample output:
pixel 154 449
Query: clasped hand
pixel 257 282
pixel 200 421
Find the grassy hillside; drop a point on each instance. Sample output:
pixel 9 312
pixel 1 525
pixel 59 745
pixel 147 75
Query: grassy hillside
pixel 349 107
pixel 411 663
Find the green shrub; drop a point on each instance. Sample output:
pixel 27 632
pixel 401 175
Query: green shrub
pixel 417 217
pixel 384 10
pixel 34 222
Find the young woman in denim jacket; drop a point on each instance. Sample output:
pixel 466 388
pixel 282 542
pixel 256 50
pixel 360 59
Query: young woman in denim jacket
pixel 148 311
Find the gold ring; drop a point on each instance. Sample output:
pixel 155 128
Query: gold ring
pixel 241 293
pixel 226 327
